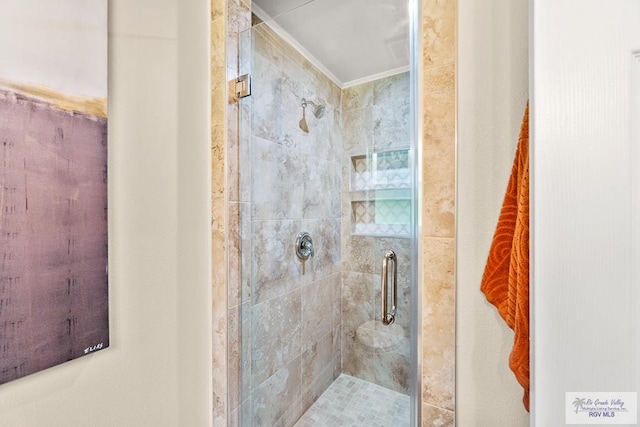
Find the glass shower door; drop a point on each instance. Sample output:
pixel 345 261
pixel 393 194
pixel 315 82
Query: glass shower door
pixel 334 162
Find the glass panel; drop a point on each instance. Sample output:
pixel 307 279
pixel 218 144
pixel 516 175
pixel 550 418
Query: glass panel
pixel 335 161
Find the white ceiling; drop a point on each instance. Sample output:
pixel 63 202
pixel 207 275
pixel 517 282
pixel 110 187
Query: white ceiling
pixel 351 40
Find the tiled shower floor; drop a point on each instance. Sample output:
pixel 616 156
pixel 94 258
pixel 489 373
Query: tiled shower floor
pixel 351 401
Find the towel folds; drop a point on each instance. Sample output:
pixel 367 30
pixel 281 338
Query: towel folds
pixel 505 282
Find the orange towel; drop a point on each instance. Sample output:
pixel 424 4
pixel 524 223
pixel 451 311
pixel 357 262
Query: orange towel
pixel 505 282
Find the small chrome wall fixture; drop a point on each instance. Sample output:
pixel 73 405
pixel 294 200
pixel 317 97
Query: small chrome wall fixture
pixel 318 112
pixel 304 246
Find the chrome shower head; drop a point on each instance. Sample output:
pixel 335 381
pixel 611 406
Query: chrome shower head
pixel 318 110
pixel 303 121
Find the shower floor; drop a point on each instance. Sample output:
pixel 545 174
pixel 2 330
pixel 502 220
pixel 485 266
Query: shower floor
pixel 351 401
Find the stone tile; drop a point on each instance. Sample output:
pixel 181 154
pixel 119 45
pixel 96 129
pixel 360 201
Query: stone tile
pixel 391 112
pixel 245 352
pixel 336 283
pixel 278 397
pixel 357 97
pixel 439 153
pixel 393 369
pixel 277 188
pixel 439 107
pixel 351 401
pixel 378 353
pixel 244 151
pixel 317 311
pixel 239 13
pixel 268 110
pixel 438 377
pixel 235 357
pixel 275 265
pixel 325 233
pixel 234 418
pixel 322 139
pixel 218 68
pixel 336 194
pixel 317 366
pixel 391 127
pixel 357 130
pixel 393 91
pixel 217 9
pixel 355 361
pixel 317 181
pixel 218 168
pixel 439 32
pixel 233 64
pixel 219 281
pixel 246 240
pixel 434 416
pixel 359 253
pixel 316 358
pixel 275 336
pixel 321 381
pixel 233 154
pixel 337 351
pixel 234 244
pixel 246 413
pixel 358 298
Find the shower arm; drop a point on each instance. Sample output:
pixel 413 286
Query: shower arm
pixel 306 102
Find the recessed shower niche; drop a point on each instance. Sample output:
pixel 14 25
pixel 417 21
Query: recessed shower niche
pixel 380 191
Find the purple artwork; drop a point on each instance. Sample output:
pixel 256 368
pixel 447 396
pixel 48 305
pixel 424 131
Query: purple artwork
pixel 53 278
pixel 53 187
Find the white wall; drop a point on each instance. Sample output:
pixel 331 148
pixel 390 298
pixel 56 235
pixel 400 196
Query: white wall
pixel 584 164
pixel 59 44
pixel 492 93
pixel 157 371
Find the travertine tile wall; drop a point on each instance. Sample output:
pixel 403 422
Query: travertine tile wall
pixel 238 21
pixel 438 234
pixel 375 118
pixel 218 209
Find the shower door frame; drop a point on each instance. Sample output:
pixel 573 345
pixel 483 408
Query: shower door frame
pixel 416 101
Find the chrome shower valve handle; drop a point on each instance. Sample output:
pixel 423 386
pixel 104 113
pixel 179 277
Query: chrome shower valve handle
pixel 304 246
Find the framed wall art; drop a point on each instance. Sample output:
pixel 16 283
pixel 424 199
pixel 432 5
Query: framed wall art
pixel 53 183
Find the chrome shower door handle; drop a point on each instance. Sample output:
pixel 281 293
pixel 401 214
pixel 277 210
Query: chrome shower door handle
pixel 389 316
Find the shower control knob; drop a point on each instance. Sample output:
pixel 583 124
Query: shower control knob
pixel 304 246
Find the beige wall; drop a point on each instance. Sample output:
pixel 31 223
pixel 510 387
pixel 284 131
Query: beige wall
pixel 492 93
pixel 157 368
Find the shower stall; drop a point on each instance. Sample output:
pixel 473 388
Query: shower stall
pixel 325 306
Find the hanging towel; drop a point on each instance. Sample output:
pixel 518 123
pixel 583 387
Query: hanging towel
pixel 505 282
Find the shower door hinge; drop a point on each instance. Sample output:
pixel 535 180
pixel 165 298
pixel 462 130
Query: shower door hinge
pixel 243 86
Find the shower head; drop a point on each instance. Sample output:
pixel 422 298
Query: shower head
pixel 303 120
pixel 318 110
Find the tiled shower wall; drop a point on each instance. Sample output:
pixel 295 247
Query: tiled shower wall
pixel 229 17
pixel 290 309
pixel 375 118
